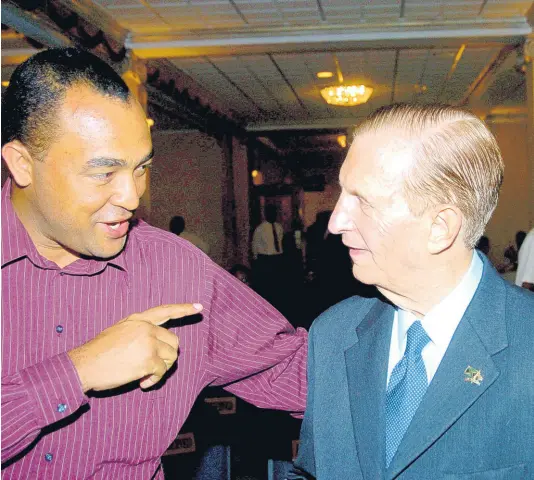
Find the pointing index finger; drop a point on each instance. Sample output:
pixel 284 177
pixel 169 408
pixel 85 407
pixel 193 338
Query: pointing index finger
pixel 163 313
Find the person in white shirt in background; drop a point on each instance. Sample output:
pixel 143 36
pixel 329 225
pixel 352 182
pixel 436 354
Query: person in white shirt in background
pixel 267 253
pixel 525 263
pixel 263 240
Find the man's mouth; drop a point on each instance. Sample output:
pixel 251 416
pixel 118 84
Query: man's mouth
pixel 117 229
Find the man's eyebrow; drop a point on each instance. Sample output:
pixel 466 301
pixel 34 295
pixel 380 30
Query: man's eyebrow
pixel 99 162
pixel 109 162
pixel 356 193
pixel 146 158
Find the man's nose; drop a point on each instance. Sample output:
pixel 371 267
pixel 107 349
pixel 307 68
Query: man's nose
pixel 335 222
pixel 128 192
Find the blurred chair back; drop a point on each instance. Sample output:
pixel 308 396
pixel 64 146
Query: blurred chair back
pixel 279 469
pixel 215 464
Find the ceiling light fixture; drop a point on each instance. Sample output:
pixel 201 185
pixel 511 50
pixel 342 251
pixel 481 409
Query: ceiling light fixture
pixel 325 74
pixel 420 88
pixel 5 83
pixel 257 177
pixel 342 140
pixel 345 95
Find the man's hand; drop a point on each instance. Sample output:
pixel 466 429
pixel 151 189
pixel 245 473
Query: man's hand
pixel 135 348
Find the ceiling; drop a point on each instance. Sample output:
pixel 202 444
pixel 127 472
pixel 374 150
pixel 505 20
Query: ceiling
pixel 259 58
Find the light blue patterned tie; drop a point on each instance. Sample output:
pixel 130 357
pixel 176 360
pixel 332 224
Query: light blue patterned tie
pixel 407 386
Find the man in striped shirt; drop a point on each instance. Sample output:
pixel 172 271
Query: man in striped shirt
pixel 90 382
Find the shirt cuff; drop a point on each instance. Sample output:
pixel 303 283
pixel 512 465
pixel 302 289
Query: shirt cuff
pixel 55 389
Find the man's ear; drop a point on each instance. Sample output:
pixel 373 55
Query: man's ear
pixel 19 161
pixel 446 225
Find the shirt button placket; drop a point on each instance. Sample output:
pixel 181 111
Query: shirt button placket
pixel 58 313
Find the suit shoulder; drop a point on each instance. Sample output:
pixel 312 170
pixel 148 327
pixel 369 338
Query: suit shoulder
pixel 342 316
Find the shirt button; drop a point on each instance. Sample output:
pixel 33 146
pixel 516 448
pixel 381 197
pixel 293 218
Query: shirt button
pixel 61 407
pixel 59 329
pixel 49 457
pixel 62 274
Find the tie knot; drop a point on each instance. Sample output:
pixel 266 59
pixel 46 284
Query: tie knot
pixel 417 339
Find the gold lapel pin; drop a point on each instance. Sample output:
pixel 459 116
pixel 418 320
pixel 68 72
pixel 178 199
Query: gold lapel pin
pixel 472 375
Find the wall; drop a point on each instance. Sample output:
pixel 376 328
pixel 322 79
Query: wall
pixel 241 192
pixel 512 212
pixel 187 180
pixel 315 202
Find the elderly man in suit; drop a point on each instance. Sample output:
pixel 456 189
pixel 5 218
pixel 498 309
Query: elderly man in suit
pixel 434 379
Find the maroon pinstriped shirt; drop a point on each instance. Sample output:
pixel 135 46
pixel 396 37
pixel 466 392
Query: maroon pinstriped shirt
pixel 51 429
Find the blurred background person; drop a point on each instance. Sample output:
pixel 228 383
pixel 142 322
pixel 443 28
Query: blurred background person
pixel 484 245
pixel 509 267
pixel 525 263
pixel 267 253
pixel 243 274
pixel 177 226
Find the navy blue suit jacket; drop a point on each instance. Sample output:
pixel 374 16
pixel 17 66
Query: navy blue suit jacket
pixel 461 430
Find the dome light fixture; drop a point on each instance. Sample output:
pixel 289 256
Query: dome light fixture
pixel 346 95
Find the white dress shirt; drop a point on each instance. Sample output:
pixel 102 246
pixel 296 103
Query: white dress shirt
pixel 263 239
pixel 525 261
pixel 439 323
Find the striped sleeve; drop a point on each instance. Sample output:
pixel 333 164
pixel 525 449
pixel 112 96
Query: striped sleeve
pixel 251 348
pixel 36 397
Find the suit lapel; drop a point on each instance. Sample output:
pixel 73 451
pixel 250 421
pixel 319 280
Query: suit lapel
pixel 480 334
pixel 367 362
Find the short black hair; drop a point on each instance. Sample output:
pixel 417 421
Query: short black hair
pixel 271 212
pixel 177 224
pixel 38 86
pixel 483 244
pixel 520 238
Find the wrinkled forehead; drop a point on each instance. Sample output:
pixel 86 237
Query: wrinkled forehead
pixel 382 157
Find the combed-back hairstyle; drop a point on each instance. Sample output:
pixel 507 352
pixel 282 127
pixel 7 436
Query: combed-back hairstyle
pixel 38 86
pixel 456 161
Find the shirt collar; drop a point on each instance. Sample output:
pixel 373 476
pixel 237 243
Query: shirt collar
pixel 441 321
pixel 17 244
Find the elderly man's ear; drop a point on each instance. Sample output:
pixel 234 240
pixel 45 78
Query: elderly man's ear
pixel 445 228
pixel 19 161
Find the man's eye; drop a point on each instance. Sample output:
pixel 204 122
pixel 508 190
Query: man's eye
pixel 141 170
pixel 102 176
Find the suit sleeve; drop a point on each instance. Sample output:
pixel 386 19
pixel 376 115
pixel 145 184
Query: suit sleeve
pixel 251 349
pixel 305 462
